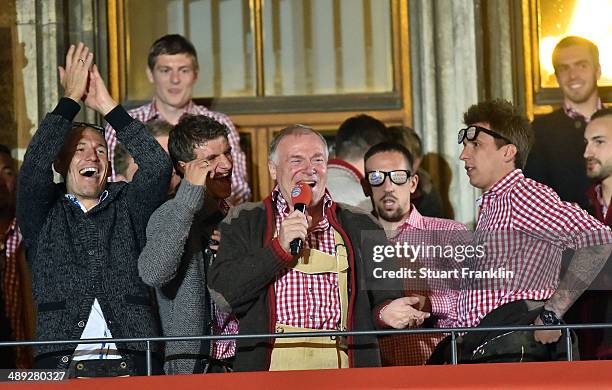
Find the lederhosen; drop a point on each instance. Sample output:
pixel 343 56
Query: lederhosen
pixel 312 353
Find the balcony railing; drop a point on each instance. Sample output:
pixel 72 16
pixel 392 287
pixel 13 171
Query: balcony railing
pixel 453 332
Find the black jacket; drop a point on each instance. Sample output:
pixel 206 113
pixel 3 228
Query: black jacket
pixel 557 156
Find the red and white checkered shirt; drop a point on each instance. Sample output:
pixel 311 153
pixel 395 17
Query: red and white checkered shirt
pixel 305 300
pixel 525 227
pixel 415 349
pixel 241 192
pixel 224 323
pixel 13 292
pixel 11 283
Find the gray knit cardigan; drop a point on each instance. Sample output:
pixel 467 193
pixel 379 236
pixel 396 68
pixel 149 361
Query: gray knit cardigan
pixel 175 262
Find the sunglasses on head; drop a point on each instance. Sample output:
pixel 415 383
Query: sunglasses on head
pixel 471 132
pixel 76 125
pixel 377 178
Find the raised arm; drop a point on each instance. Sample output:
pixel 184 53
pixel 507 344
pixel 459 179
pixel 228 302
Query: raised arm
pixel 36 192
pixel 169 227
pixel 149 187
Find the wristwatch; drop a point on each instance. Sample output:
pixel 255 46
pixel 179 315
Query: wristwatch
pixel 549 317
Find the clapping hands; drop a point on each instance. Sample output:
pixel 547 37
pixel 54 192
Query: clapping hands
pixel 81 80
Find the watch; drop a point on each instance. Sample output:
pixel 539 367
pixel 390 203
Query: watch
pixel 549 317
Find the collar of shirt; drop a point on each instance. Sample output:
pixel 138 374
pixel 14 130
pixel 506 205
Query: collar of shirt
pixel 74 200
pixel 151 111
pixel 503 185
pixel 572 113
pixel 341 164
pixel 11 227
pixel 282 208
pixel 414 220
pixel 223 206
pixel 600 200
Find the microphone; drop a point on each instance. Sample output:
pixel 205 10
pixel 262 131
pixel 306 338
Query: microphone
pixel 301 195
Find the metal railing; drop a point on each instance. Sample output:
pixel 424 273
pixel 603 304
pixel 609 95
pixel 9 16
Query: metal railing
pixel 453 332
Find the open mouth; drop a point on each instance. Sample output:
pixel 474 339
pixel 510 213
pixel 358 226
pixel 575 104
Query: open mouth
pixel 311 183
pixel 88 172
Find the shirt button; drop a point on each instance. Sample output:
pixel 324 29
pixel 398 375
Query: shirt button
pixel 91 252
pixel 64 359
pixel 312 317
pixel 578 124
pixel 81 324
pixel 309 290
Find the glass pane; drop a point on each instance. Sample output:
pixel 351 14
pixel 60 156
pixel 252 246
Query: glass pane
pixel 316 47
pixel 221 31
pixel 590 19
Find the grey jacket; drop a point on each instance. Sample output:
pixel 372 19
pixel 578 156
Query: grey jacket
pixel 175 262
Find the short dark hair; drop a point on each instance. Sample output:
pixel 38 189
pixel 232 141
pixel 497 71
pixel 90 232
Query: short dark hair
pixel 573 40
pixel 606 111
pixel 121 162
pixel 171 44
pixel 190 132
pixel 6 150
pixel 357 134
pixel 504 119
pixel 407 137
pixel 158 127
pixel 390 147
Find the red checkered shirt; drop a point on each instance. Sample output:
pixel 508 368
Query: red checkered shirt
pixel 415 349
pixel 224 323
pixel 13 290
pixel 304 300
pixel 526 227
pixel 241 191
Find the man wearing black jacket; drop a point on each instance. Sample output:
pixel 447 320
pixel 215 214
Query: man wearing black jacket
pixel 83 238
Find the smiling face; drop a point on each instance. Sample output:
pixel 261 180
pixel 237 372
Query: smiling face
pixel 391 201
pixel 84 159
pixel 598 150
pixel 300 158
pixel 173 76
pixel 485 163
pixel 219 154
pixel 576 73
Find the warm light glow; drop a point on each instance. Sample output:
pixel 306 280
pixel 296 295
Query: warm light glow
pixel 591 19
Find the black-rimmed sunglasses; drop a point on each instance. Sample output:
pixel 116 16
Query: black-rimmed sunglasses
pixel 76 125
pixel 377 178
pixel 471 132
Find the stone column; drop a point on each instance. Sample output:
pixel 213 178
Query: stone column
pixel 445 84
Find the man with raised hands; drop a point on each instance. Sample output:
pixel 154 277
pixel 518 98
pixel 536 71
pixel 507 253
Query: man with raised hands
pixel 83 236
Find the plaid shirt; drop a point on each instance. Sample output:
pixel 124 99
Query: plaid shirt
pixel 304 300
pixel 572 113
pixel 415 349
pixel 240 186
pixel 526 227
pixel 224 323
pixel 11 283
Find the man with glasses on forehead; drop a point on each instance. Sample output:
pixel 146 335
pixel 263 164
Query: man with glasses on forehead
pixel 390 184
pixel 83 236
pixel 525 227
